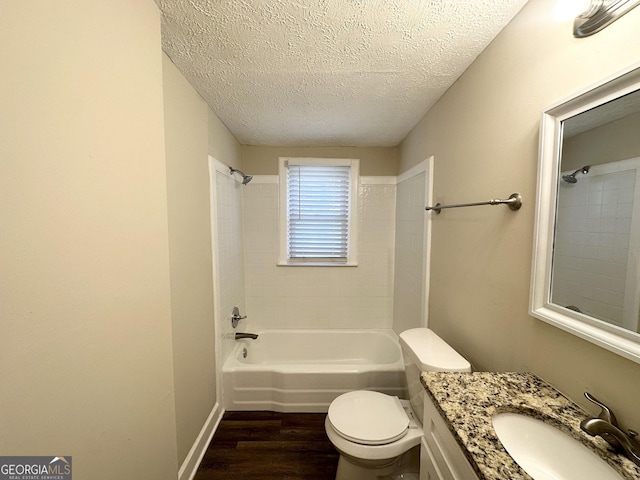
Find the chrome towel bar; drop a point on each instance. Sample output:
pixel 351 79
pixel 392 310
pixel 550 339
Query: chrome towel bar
pixel 514 202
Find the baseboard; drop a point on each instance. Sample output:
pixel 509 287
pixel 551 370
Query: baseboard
pixel 194 457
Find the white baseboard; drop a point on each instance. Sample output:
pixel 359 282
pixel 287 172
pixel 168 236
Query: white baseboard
pixel 194 457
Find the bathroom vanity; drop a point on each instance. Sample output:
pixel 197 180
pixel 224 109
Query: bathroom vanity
pixel 441 457
pixel 460 442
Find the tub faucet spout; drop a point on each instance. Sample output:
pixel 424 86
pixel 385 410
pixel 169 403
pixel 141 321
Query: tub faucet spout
pixel 241 335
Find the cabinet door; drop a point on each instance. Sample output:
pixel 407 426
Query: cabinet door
pixel 444 458
pixel 428 467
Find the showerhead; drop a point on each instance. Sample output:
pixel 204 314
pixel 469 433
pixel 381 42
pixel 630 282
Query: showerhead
pixel 245 178
pixel 572 177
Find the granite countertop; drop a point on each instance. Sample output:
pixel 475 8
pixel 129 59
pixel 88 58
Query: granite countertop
pixel 467 401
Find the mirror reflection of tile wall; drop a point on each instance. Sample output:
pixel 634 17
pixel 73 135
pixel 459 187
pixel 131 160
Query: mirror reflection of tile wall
pixel 595 243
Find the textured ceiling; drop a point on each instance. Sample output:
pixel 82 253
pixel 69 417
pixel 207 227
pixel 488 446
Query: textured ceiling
pixel 326 72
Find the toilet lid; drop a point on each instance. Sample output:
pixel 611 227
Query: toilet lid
pixel 370 418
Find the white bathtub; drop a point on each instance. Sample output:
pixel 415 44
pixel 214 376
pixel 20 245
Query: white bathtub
pixel 305 370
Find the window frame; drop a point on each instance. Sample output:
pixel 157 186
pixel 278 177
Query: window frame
pixel 354 177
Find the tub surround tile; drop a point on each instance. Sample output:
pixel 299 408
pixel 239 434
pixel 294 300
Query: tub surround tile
pixel 319 297
pixel 467 402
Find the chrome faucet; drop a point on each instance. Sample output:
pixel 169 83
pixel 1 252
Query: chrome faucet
pixel 606 426
pixel 240 336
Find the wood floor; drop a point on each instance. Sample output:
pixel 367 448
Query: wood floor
pixel 269 446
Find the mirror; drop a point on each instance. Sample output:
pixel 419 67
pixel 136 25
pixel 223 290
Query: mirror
pixel 586 259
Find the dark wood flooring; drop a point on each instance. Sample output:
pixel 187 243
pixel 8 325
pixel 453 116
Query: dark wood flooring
pixel 269 446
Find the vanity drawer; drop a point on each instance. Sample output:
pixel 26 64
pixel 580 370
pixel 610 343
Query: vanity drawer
pixel 441 458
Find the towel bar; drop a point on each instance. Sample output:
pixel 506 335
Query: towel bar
pixel 514 202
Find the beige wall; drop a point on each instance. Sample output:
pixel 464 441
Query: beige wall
pixel 484 135
pixel 187 141
pixel 86 356
pixel 222 144
pixel 374 161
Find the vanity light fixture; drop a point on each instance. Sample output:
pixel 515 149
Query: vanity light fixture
pixel 599 14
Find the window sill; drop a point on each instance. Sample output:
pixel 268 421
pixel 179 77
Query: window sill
pixel 316 264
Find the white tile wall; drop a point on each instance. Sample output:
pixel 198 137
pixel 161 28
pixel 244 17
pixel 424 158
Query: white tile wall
pixel 409 253
pixel 320 297
pixel 592 243
pixel 229 257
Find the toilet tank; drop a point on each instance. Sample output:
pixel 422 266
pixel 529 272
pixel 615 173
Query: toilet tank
pixel 424 351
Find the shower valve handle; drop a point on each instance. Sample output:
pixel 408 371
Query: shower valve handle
pixel 236 317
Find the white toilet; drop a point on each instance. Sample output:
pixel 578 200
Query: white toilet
pixel 377 435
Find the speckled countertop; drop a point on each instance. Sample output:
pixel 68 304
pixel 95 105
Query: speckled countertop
pixel 467 401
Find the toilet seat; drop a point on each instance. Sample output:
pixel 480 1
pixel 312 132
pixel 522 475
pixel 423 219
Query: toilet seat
pixel 368 418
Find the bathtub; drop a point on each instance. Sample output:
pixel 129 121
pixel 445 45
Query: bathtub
pixel 305 370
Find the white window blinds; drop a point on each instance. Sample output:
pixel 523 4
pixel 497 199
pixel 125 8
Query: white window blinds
pixel 318 211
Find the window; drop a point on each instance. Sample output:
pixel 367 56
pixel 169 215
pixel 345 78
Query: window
pixel 318 211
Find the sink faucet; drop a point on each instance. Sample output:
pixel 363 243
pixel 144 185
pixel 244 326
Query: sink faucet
pixel 240 336
pixel 606 426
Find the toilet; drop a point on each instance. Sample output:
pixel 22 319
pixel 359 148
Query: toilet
pixel 378 436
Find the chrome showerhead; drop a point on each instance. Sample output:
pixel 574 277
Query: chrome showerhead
pixel 572 177
pixel 245 178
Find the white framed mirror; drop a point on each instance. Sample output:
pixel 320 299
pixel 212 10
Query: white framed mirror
pixel 586 253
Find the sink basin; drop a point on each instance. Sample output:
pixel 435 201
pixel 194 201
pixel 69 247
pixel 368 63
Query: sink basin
pixel 546 453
